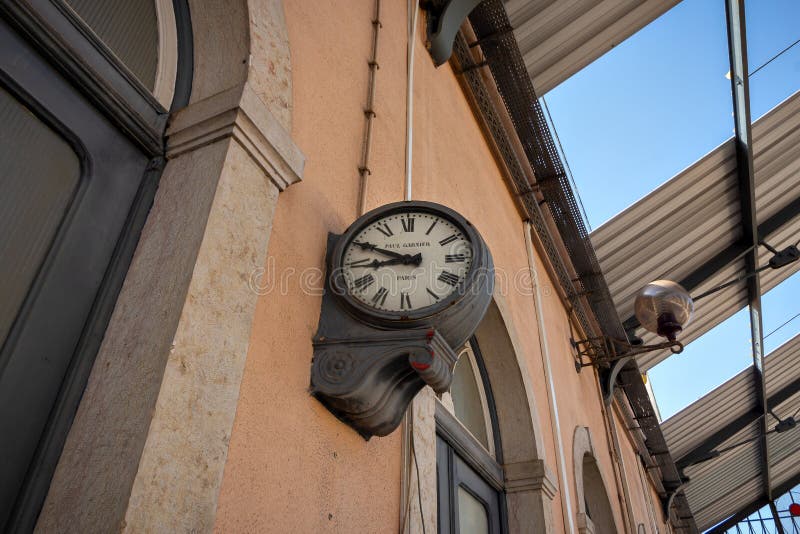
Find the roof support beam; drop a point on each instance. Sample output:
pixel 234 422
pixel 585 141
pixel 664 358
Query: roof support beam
pixel 737 50
pixel 738 424
pixel 776 517
pixel 753 506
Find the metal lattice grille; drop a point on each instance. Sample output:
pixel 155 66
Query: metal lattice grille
pixel 493 29
pixel 520 181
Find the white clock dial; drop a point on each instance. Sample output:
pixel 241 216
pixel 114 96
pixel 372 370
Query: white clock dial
pixel 406 262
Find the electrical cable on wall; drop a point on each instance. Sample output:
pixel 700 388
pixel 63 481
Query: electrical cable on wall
pixel 419 483
pixel 412 458
pixel 408 434
pixel 369 112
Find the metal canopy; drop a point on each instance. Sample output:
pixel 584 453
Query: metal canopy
pixel 689 229
pixel 558 38
pixel 712 223
pixel 729 415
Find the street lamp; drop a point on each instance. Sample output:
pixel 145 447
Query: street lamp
pixel 664 307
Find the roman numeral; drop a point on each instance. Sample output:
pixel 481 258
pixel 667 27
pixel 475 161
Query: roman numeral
pixel 385 230
pixel 448 278
pixel 380 297
pixel 431 227
pixel 360 263
pixel 431 293
pixel 364 282
pixel 405 300
pixel 448 239
pixel 454 258
pixel 408 224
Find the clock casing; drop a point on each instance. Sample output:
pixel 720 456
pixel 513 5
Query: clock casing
pixel 457 313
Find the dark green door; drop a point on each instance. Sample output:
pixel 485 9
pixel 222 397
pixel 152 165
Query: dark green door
pixel 70 178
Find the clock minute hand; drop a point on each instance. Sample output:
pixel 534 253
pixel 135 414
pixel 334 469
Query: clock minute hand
pixel 370 246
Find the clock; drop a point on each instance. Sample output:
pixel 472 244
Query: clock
pixel 411 264
pixel 408 283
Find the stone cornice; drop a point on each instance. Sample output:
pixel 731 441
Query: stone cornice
pixel 240 114
pixel 533 475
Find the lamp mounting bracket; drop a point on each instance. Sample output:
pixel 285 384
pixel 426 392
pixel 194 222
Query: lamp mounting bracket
pixel 611 355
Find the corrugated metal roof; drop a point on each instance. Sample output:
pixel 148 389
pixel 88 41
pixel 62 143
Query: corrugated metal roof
pixel 693 217
pixel 722 486
pixel 559 37
pixel 687 429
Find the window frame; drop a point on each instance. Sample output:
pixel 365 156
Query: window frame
pixel 469 351
pixel 456 444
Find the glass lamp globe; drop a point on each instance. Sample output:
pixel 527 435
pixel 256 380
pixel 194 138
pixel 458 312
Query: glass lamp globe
pixel 664 307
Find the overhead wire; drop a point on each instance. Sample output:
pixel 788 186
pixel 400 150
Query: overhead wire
pixel 773 58
pixel 566 164
pixel 748 440
pixel 781 326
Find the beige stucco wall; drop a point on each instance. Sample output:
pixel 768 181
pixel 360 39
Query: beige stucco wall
pixel 646 506
pixel 292 466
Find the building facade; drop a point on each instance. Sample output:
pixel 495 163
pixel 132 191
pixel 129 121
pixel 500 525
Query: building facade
pixel 203 152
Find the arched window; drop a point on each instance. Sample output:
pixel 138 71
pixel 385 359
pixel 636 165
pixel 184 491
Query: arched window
pixel 595 515
pixel 469 475
pixel 466 399
pixel 598 508
pixel 140 34
pixel 488 439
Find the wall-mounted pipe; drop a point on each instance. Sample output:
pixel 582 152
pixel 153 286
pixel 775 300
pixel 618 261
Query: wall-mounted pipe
pixel 412 40
pixel 408 419
pixel 619 469
pixel 565 489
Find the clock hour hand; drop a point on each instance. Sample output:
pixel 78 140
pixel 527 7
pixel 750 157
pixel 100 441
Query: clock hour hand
pixel 363 263
pixel 410 260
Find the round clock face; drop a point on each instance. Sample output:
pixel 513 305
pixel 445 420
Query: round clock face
pixel 406 261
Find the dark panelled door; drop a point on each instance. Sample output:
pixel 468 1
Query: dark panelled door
pixel 68 179
pixel 467 504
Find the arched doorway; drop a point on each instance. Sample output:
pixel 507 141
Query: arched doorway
pixel 500 439
pixel 85 89
pixel 228 141
pixel 468 451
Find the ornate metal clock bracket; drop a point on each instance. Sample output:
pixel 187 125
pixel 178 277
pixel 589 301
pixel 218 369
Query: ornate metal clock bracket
pixel 369 382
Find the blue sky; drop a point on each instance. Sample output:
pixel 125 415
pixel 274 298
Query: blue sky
pixel 651 107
